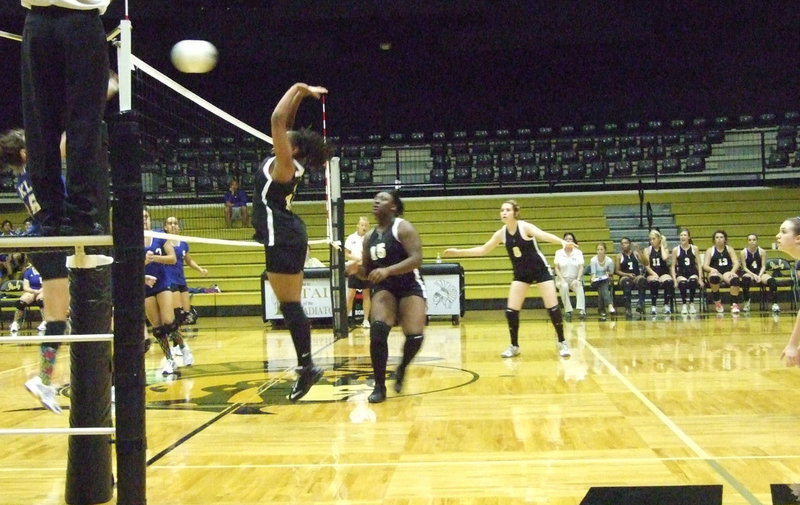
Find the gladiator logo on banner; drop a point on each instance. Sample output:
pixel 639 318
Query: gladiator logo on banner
pixel 316 299
pixel 443 294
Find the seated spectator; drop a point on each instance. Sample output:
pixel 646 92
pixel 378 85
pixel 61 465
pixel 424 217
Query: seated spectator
pixel 656 263
pixel 754 265
pixel 685 269
pixel 601 269
pixel 8 229
pixel 31 294
pixel 630 271
pixel 312 262
pixel 569 265
pixel 236 204
pixel 721 264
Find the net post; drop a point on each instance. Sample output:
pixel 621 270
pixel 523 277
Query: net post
pixel 124 65
pixel 89 474
pixel 338 278
pixel 128 298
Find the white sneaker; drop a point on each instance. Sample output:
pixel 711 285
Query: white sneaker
pixel 684 309
pixel 365 324
pixel 513 350
pixel 176 351
pixel 718 307
pixel 746 306
pixel 653 310
pixel 168 368
pixel 45 394
pixel 14 327
pixel 188 357
pixel 42 327
pixel 667 309
pixel 692 308
pixel 563 349
pixel 776 308
pixel 734 308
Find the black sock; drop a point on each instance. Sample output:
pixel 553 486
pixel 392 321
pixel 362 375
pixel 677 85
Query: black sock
pixel 379 350
pixel 558 322
pixel 297 323
pixel 512 316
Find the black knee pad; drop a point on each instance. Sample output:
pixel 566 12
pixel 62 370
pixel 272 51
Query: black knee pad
pixel 682 285
pixel 293 311
pixel 21 305
pixel 555 315
pixel 747 281
pixel 379 331
pixel 772 283
pixel 178 315
pixel 512 316
pixel 735 282
pixel 714 280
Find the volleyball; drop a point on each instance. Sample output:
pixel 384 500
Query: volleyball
pixel 194 56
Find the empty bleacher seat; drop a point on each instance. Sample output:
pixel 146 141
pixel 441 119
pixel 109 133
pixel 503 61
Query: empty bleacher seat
pixel 612 154
pixel 695 164
pixel 481 147
pixel 462 174
pixel 623 168
pixel 589 156
pixel 786 144
pixel 181 184
pixel 778 159
pixel 505 159
pixel 529 172
pixel 678 151
pixel 703 150
pixel 463 160
pixel 482 160
pixel 438 175
pixel 634 153
pixel 671 166
pixel 569 157
pixel 598 170
pixel 508 173
pixel 576 170
pixel 646 167
pixel 484 173
pixel 715 137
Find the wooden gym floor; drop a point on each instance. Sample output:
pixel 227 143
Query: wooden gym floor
pixel 640 404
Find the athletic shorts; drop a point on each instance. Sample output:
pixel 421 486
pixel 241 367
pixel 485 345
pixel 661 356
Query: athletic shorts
pixel 355 282
pixel 180 288
pixel 285 258
pixel 534 276
pixel 161 285
pixel 400 287
pixel 51 265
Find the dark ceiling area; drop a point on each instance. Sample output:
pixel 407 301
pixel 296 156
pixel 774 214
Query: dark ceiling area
pixel 470 65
